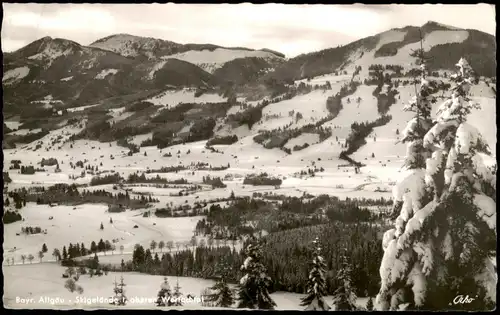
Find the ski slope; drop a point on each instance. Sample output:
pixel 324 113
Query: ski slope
pixel 312 106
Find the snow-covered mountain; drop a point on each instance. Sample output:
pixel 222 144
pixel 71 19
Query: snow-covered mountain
pixel 135 46
pixel 445 45
pixel 120 65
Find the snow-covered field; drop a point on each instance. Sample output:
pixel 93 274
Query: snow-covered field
pixel 81 224
pixel 173 98
pixel 12 124
pixel 41 286
pixel 14 75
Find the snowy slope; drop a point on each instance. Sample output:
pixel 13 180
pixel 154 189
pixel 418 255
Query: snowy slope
pixel 14 75
pixel 312 106
pixel 364 58
pixel 211 60
pixel 127 45
pixel 101 75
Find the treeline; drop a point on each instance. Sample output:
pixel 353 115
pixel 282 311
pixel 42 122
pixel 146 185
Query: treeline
pixel 262 179
pixel 105 180
pixel 286 256
pixel 78 250
pixel 11 217
pixel 359 131
pixel 227 140
pixel 69 195
pixel 232 221
pixel 133 148
pixel 27 138
pixel 31 230
pixel 183 263
pixel 19 199
pixel 278 138
pixel 385 99
pixel 215 182
pixel 48 162
pixel 334 103
pixel 16 165
pixel 136 178
pixel 168 169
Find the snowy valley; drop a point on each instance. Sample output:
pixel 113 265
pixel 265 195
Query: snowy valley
pixel 186 170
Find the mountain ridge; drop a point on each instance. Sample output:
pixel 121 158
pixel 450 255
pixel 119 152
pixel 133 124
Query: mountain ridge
pixel 128 64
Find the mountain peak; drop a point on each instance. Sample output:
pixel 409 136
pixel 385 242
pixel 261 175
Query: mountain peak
pixel 435 24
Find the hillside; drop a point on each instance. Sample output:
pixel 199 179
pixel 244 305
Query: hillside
pixel 445 44
pixel 148 159
pixel 121 65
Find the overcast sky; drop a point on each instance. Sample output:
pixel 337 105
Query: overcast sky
pixel 290 29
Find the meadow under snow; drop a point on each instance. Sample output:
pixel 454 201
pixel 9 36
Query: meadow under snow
pixel 81 223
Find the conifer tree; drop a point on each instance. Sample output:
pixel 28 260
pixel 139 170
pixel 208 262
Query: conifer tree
pixel 176 297
pixel 253 289
pixel 446 247
pixel 344 298
pixel 369 304
pixel 119 298
pixel 164 294
pixel 64 253
pixel 222 295
pixel 411 191
pixel 316 290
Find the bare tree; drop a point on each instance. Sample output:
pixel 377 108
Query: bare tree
pixel 30 258
pixel 161 245
pixel 40 255
pixel 23 258
pixel 121 249
pixel 153 245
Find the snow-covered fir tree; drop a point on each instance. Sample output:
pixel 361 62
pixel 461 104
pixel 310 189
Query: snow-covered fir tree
pixel 164 294
pixel 253 288
pixel 316 291
pixel 344 297
pixel 222 295
pixel 369 304
pixel 411 192
pixel 441 252
pixel 177 295
pixel 119 298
